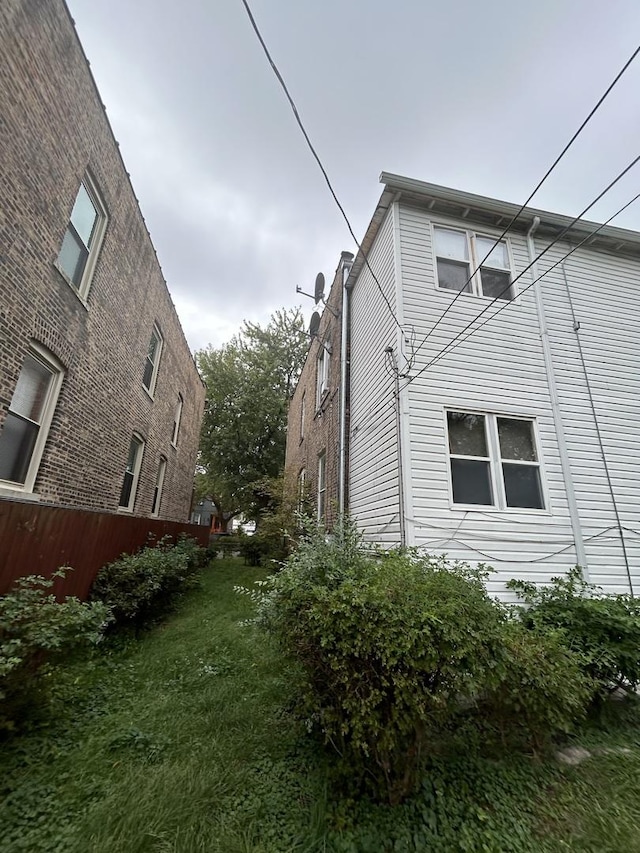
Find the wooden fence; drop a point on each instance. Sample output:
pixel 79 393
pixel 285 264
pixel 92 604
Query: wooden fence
pixel 37 540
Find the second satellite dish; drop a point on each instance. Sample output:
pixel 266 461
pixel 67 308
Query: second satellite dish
pixel 314 324
pixel 319 290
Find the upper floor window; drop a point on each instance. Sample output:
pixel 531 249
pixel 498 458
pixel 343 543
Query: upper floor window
pixel 322 373
pixel 494 461
pixel 82 239
pixel 459 253
pixel 24 432
pixel 177 417
pixel 131 474
pixel 152 361
pixel 322 486
pixel 303 412
pixel 302 489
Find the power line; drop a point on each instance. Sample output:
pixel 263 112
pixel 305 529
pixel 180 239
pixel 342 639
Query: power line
pixel 294 109
pixel 537 187
pixel 452 343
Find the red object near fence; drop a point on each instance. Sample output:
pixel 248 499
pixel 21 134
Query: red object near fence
pixel 37 539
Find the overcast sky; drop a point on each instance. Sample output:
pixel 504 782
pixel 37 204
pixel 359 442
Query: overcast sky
pixel 477 96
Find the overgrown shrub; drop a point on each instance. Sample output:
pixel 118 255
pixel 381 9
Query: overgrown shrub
pixel 603 629
pixel 145 586
pixel 36 633
pixel 391 645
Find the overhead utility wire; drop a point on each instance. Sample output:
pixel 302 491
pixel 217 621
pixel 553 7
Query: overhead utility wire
pixel 373 412
pixel 316 157
pixel 522 207
pixel 452 343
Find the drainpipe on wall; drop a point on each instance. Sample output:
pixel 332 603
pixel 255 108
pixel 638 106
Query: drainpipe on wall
pixel 347 263
pixel 581 554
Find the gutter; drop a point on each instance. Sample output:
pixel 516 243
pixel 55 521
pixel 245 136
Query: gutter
pixel 347 263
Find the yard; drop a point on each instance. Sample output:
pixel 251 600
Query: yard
pixel 182 740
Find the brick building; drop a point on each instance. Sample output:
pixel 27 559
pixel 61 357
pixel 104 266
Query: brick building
pixel 313 430
pixel 100 399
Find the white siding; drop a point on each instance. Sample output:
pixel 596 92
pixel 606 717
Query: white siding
pixel 373 466
pixel 603 290
pixel 500 370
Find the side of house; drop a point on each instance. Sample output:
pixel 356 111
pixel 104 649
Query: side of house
pixel 515 441
pixel 100 399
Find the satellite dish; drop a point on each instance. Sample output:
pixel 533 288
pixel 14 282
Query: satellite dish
pixel 314 324
pixel 319 291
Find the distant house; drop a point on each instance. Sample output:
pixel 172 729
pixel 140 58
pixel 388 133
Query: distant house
pixel 515 444
pixel 100 399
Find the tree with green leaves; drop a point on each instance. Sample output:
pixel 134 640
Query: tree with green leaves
pixel 250 381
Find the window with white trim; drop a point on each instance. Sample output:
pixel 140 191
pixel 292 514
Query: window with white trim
pixel 322 485
pixel 83 237
pixel 302 489
pixel 24 432
pixel 157 490
pixel 131 474
pixel 152 361
pixel 494 461
pixel 177 417
pixel 322 374
pixel 458 253
pixel 303 413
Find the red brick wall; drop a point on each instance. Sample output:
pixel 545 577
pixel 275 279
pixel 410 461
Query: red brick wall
pixel 53 129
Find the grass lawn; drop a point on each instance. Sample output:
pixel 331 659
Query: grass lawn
pixel 182 742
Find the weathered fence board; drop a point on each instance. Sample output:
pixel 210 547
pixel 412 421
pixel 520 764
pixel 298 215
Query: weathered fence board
pixel 37 540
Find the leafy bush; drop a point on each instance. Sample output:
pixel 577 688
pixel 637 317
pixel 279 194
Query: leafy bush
pixel 391 645
pixel 36 632
pixel 540 688
pixel 603 629
pixel 144 586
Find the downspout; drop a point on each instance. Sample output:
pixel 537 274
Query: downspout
pixel 565 464
pixel 347 262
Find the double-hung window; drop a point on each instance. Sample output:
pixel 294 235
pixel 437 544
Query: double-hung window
pixel 302 489
pixel 322 486
pixel 322 374
pixel 177 417
pixel 131 474
pixel 152 361
pixel 82 239
pixel 494 461
pixel 157 491
pixel 303 413
pixel 459 253
pixel 24 432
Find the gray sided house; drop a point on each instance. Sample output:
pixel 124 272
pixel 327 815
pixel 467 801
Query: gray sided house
pixel 100 399
pixel 493 397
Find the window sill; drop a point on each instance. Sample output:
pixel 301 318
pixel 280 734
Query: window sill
pixel 174 445
pixel 9 491
pixel 81 297
pixel 125 510
pixel 508 510
pixel 455 293
pixel 148 393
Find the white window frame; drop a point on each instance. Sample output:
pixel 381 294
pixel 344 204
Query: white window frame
pixel 321 491
pixel 322 373
pixel 177 417
pixel 495 461
pixel 159 484
pixel 475 257
pixel 151 388
pixel 51 363
pixel 303 414
pixel 93 249
pixel 302 486
pixel 137 465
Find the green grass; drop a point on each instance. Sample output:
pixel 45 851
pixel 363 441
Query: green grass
pixel 181 741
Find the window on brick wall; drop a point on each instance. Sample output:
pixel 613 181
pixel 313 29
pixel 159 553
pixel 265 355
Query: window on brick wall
pixel 303 413
pixel 322 486
pixel 26 425
pixel 177 417
pixel 322 374
pixel 131 474
pixel 302 489
pixel 152 361
pixel 83 237
pixel 157 491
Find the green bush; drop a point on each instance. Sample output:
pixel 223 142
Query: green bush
pixel 36 633
pixel 145 586
pixel 603 629
pixel 391 645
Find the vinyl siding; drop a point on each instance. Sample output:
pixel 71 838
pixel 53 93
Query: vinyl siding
pixel 499 370
pixel 373 464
